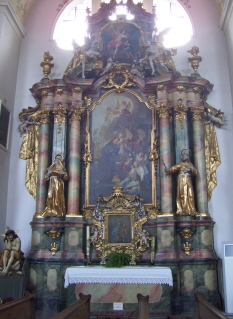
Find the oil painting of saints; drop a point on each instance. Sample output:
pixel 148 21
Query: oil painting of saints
pixel 120 145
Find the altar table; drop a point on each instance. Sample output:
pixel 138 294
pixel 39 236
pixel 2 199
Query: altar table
pixel 124 275
pixel 109 285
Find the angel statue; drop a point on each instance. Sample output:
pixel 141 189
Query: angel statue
pixel 185 194
pixel 56 173
pixel 82 54
pixel 11 258
pixel 158 56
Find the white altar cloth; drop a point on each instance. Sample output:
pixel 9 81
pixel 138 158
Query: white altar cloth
pixel 124 275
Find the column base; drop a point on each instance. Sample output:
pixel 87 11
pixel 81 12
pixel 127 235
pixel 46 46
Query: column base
pixel 166 213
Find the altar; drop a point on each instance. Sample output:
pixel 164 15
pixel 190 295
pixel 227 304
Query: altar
pixel 114 285
pixel 108 140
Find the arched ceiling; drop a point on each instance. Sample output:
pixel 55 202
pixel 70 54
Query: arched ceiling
pixel 23 7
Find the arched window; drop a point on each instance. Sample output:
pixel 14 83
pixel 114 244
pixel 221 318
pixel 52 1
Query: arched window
pixel 71 24
pixel 171 14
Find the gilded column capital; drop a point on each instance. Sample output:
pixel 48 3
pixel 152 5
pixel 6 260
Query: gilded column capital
pixel 180 111
pixel 87 101
pixel 59 91
pixel 44 117
pixel 164 111
pixel 197 113
pixel 77 89
pixel 195 90
pixel 161 87
pixel 59 114
pixel 152 99
pixel 180 88
pixel 76 113
pixel 44 93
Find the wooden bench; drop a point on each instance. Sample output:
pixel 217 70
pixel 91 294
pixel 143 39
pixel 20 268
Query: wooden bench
pixel 22 308
pixel 143 307
pixel 79 310
pixel 205 310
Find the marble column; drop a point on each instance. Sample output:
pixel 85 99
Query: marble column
pixel 43 153
pixel 181 129
pixel 59 131
pixel 199 160
pixel 165 159
pixel 74 154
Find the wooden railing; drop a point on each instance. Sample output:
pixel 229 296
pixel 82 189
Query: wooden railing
pixel 79 310
pixel 204 310
pixel 142 307
pixel 22 308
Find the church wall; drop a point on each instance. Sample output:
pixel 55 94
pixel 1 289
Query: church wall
pixel 208 37
pixel 21 205
pixel 227 25
pixel 11 33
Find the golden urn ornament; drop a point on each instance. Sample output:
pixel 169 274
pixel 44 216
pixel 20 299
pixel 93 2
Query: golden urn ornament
pixel 46 64
pixel 195 60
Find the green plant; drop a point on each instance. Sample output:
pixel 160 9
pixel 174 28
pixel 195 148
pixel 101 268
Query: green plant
pixel 117 260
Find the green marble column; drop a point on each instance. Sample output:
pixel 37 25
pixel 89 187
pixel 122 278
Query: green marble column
pixel 181 129
pixel 165 159
pixel 199 160
pixel 59 131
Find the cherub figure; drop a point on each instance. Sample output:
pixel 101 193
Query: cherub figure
pixel 134 71
pixel 95 235
pixel 108 66
pixel 143 238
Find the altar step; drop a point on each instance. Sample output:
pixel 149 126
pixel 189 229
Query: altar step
pixel 41 314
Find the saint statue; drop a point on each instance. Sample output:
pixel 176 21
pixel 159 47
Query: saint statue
pixel 11 258
pixel 185 195
pixel 56 173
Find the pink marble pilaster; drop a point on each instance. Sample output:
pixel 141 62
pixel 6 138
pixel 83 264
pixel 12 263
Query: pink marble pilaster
pixel 74 155
pixel 41 192
pixel 74 168
pixel 199 160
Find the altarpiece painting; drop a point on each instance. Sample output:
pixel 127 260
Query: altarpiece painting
pixel 121 129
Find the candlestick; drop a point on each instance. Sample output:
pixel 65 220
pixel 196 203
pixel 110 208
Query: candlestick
pixel 88 240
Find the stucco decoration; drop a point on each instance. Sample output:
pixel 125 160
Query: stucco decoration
pixel 22 8
pixel 218 3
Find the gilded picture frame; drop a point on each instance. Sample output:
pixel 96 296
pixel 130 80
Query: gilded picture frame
pixel 110 113
pixel 5 119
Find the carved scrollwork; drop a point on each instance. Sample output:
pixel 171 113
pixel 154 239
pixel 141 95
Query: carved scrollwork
pixel 87 157
pixel 119 78
pixel 154 156
pixel 117 225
